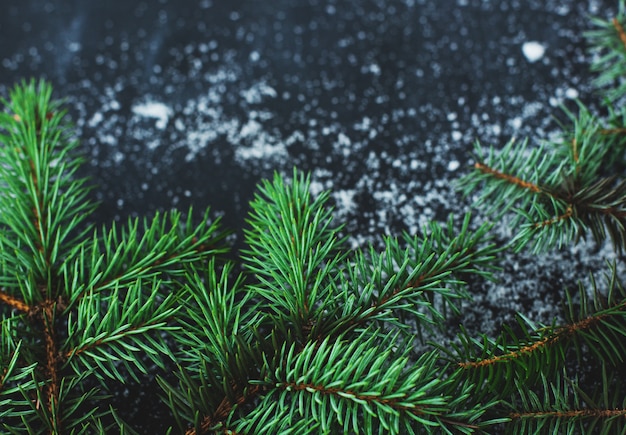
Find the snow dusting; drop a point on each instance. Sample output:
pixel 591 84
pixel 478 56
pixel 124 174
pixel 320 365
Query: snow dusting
pixel 156 110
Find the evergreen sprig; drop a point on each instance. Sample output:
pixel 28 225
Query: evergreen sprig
pixel 560 406
pixel 77 307
pixel 533 352
pixel 608 47
pixel 559 190
pixel 310 336
pixel 299 334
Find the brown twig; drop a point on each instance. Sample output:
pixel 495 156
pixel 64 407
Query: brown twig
pixel 52 388
pixel 568 214
pixel 620 31
pixel 558 335
pixel 224 409
pixel 580 413
pixel 14 302
pixel 510 178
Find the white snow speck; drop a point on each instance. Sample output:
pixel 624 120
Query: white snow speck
pixel 250 129
pixel 515 123
pixel 96 119
pixel 255 94
pixel 453 165
pixel 159 111
pixel 533 51
pixel 345 200
pixel 571 93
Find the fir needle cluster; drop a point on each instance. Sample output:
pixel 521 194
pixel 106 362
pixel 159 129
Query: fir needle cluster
pixel 297 333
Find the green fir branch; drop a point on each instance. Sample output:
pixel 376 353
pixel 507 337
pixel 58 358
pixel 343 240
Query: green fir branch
pixel 559 191
pixel 132 323
pixel 86 308
pixel 420 279
pixel 561 406
pixel 362 386
pixel 607 43
pixel 300 334
pixel 293 252
pixel 594 322
pixel 161 247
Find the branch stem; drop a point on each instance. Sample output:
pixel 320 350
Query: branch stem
pixel 620 32
pixel 51 369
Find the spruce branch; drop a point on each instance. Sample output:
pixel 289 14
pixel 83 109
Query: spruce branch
pixel 608 46
pixel 85 308
pixel 594 324
pixel 131 319
pixel 349 386
pixel 294 252
pixel 306 307
pixel 163 247
pixel 561 406
pixel 422 277
pixel 45 202
pixel 559 190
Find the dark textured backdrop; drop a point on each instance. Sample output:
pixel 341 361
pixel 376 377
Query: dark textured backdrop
pixel 192 102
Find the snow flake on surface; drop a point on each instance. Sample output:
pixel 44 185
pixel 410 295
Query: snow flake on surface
pixel 533 51
pixel 157 110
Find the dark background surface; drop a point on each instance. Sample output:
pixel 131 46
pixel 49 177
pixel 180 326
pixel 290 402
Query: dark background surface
pixel 192 102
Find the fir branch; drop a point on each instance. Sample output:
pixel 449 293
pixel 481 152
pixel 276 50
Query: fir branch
pixel 606 43
pixel 294 252
pixel 597 322
pixel 121 256
pixel 216 347
pixel 361 385
pixel 559 191
pixel 44 202
pixel 220 317
pixel 118 291
pixel 388 287
pixel 121 333
pixel 561 405
pixel 513 177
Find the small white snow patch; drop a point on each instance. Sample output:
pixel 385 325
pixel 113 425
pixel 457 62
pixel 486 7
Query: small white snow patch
pixel 453 165
pixel 251 128
pixel 571 93
pixel 533 51
pixel 256 93
pixel 344 200
pixel 343 140
pixel 516 122
pixel 74 46
pixel 96 119
pixel 159 111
